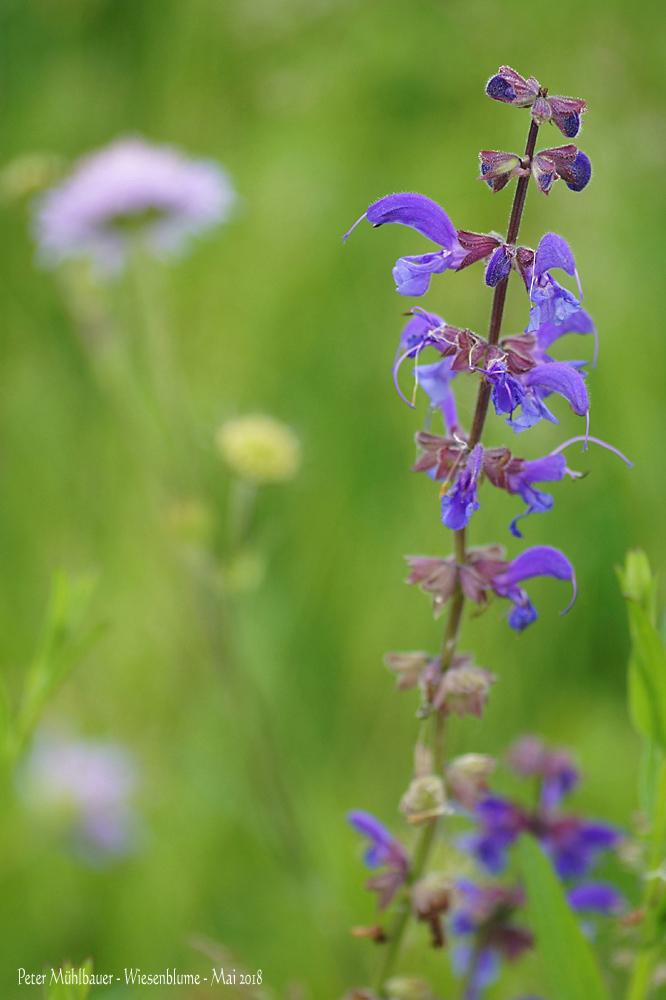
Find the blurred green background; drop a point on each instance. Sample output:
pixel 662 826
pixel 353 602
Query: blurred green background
pixel 317 108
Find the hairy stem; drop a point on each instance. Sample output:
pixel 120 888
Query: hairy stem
pixel 497 311
pixel 454 618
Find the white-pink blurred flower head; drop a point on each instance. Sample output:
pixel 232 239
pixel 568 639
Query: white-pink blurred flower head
pixel 131 188
pixel 88 784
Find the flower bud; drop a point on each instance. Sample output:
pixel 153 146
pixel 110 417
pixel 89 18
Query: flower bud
pixel 498 168
pixel 431 895
pixel 464 689
pixel 260 449
pixel 408 667
pixel 425 799
pixel 467 777
pixel 408 988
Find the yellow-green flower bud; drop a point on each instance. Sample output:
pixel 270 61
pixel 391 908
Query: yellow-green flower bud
pixel 424 799
pixel 260 449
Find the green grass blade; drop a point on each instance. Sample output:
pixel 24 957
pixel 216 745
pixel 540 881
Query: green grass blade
pixel 569 967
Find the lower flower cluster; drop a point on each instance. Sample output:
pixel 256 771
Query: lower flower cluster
pixel 481 916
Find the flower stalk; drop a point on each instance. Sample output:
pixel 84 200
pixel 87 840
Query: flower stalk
pixel 455 615
pixel 517 374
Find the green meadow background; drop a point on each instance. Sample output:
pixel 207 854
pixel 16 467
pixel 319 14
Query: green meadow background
pixel 257 725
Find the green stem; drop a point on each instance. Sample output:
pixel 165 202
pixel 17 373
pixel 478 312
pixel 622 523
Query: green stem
pixel 403 908
pixel 639 985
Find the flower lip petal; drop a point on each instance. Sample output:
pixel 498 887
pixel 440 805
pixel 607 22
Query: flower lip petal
pixel 418 212
pixel 553 251
pixel 558 376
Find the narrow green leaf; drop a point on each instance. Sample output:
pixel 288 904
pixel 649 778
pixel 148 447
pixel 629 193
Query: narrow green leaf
pixel 62 646
pixel 647 677
pixel 569 967
pixel 647 664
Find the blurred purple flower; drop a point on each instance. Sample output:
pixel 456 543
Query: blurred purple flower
pixel 384 850
pixel 130 185
pixel 530 757
pixel 90 784
pixel 485 914
pixel 596 897
pixel 575 844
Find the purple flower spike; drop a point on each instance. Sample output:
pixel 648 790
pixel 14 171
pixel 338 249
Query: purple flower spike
pixel 597 897
pixel 412 274
pixel 461 501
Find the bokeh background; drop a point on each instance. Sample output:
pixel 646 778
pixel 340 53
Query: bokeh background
pixel 254 729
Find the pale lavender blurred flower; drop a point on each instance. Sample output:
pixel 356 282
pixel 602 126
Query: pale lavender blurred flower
pixel 130 186
pixel 87 785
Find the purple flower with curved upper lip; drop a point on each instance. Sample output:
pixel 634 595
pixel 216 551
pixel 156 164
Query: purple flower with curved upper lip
pixel 460 502
pixel 551 302
pixel 412 274
pixel 384 848
pixel 541 560
pixel 538 383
